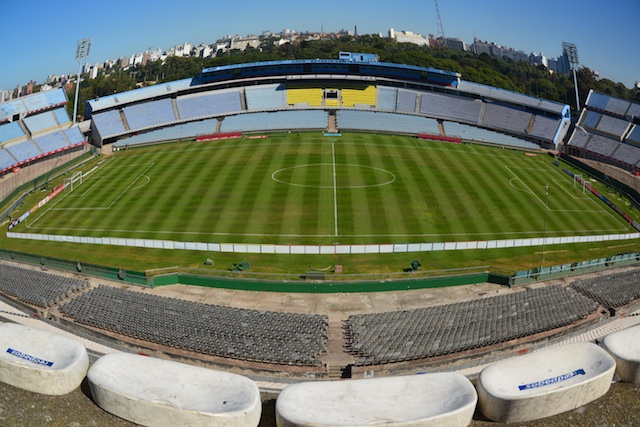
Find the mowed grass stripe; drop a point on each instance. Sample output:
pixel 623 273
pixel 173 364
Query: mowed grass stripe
pixel 357 207
pixel 191 190
pixel 419 162
pixel 230 181
pixel 398 213
pixel 154 205
pixel 326 223
pixel 503 207
pixel 127 211
pixel 233 215
pixel 380 196
pixel 251 190
pixel 268 192
pixel 291 212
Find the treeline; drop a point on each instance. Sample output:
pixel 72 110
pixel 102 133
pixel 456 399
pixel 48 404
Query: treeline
pixel 502 73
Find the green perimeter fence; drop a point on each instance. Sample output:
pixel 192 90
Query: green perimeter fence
pixel 141 278
pixel 322 286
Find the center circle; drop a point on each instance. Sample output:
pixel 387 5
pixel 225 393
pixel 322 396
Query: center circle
pixel 330 175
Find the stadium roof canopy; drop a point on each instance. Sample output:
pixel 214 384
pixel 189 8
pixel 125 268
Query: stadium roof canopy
pixel 327 61
pixel 511 97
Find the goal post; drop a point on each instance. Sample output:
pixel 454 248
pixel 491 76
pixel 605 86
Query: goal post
pixel 581 181
pixel 76 179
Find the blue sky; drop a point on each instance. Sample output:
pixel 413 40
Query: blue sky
pixel 40 37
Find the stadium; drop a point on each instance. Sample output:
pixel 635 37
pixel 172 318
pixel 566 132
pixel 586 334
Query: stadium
pixel 399 178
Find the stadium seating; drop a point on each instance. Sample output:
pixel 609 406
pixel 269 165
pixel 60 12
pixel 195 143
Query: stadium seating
pixel 591 119
pixel 385 122
pixel 387 98
pixel 267 337
pixel 634 135
pixel 74 135
pixel 205 105
pixel 41 122
pixel 284 120
pixel 451 107
pixel 109 123
pixel 435 331
pixel 11 132
pixel 37 287
pixel 579 138
pixel 172 133
pixel 502 117
pixel 406 101
pixel 266 97
pixel 142 94
pixel 545 127
pixel 612 290
pixel 30 104
pixel 612 126
pixel 634 110
pixel 62 116
pixel 6 159
pixel 353 97
pixel 602 145
pixel 472 133
pixel 24 151
pixel 52 142
pixel 304 96
pixel 604 123
pixel 627 153
pixel 150 114
pixel 608 103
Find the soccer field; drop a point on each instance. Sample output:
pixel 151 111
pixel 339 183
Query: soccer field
pixel 310 189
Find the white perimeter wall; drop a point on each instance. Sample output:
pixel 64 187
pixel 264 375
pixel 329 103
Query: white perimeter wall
pixel 322 249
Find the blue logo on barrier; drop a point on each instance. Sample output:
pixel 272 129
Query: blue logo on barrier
pixel 552 380
pixel 32 359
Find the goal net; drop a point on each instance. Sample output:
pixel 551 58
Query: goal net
pixel 76 179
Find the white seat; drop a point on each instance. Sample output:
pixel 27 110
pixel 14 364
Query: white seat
pixel 158 392
pixel 544 383
pixel 41 361
pixel 443 399
pixel 625 347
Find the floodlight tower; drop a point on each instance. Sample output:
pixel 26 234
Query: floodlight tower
pixel 440 27
pixel 570 52
pixel 82 51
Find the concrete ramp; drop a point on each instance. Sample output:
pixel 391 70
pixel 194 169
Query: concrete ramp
pixel 544 383
pixel 158 392
pixel 625 347
pixel 441 399
pixel 40 361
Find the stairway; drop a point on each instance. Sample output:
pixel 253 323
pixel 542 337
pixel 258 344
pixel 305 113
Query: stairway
pixel 339 372
pixel 332 124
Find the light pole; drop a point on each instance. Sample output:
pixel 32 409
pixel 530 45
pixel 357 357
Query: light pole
pixel 544 232
pixel 82 51
pixel 570 52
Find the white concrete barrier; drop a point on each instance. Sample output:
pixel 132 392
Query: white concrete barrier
pixel 157 392
pixel 442 399
pixel 625 347
pixel 544 383
pixel 40 361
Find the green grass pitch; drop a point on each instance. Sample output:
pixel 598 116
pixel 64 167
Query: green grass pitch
pixel 309 189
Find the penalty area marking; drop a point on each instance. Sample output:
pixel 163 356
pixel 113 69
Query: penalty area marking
pixel 122 193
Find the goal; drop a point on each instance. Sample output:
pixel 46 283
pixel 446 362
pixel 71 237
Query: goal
pixel 76 179
pixel 579 180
